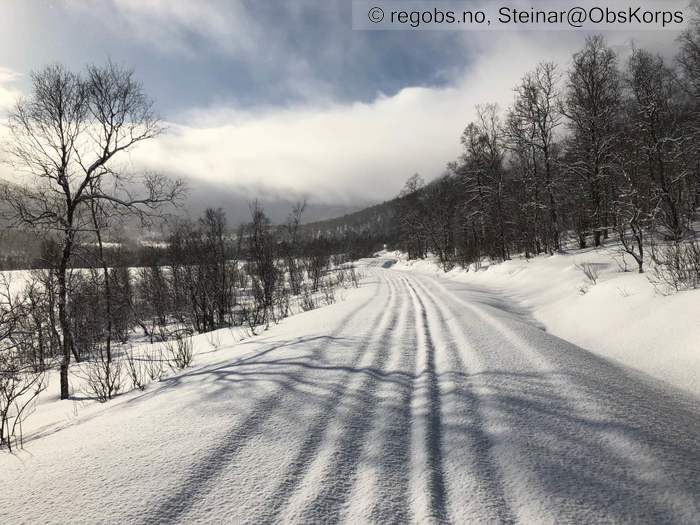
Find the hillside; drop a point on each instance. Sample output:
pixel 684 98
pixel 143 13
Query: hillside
pixel 378 220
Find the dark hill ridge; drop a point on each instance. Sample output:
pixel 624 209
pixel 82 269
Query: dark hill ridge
pixel 377 221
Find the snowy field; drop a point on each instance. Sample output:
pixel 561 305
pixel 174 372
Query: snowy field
pixel 416 399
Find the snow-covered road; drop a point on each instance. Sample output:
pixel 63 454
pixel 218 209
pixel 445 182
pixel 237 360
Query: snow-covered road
pixel 415 400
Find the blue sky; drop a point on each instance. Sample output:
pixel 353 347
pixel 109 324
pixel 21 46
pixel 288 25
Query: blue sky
pixel 282 98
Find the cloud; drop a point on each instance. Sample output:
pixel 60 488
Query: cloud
pixel 8 94
pixel 8 97
pixel 356 151
pixel 259 46
pixel 338 152
pixel 178 25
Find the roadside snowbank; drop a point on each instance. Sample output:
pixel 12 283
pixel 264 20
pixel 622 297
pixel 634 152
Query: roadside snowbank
pixel 621 317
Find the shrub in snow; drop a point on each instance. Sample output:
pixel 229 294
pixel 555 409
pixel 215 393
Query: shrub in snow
pixel 307 301
pixel 180 350
pixel 676 266
pixel 316 267
pixel 103 377
pixel 19 386
pixel 22 378
pixel 591 271
pixel 214 339
pixel 354 278
pixel 155 363
pixel 137 369
pixel 282 304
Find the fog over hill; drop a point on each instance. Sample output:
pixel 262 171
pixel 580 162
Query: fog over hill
pixel 236 204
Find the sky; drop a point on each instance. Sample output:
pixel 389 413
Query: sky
pixel 283 99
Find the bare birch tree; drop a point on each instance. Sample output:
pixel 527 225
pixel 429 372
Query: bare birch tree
pixel 592 105
pixel 531 127
pixel 66 138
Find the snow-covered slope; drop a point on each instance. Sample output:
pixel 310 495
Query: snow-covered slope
pixel 621 317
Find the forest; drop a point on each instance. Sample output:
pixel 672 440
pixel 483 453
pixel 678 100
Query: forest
pixel 605 151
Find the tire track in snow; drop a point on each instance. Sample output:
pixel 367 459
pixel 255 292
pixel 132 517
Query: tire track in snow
pixel 194 488
pixel 353 426
pixel 430 429
pixel 288 490
pixel 474 485
pixel 387 457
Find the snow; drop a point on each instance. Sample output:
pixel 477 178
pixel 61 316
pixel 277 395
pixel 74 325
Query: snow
pixel 622 317
pixel 418 398
pixel 152 438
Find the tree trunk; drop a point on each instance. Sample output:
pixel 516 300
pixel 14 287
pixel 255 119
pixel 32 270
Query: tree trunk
pixel 108 289
pixel 63 320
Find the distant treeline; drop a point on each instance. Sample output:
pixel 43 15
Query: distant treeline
pixel 29 250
